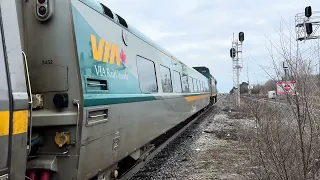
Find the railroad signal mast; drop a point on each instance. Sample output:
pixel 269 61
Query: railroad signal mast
pixel 236 55
pixel 307 24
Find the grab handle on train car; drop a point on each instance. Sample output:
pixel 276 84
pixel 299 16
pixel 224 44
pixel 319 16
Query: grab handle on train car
pixel 30 98
pixel 77 103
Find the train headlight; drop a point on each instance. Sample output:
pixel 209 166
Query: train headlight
pixel 44 9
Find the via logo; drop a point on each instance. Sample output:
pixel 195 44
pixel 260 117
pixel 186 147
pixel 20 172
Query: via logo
pixel 123 56
pixel 106 51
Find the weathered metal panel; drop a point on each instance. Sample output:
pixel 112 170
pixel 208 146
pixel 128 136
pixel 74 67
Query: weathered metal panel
pixel 54 69
pixel 52 79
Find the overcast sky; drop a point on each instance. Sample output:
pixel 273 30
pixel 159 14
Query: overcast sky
pixel 199 32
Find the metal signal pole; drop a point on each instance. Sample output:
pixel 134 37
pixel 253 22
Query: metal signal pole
pixel 236 55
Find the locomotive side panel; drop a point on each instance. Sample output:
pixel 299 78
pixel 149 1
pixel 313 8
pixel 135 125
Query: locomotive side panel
pixel 54 74
pixel 126 118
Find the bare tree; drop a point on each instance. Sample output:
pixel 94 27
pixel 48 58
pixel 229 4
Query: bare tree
pixel 270 85
pixel 285 143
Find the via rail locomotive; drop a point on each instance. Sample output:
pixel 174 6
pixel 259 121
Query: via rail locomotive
pixel 87 92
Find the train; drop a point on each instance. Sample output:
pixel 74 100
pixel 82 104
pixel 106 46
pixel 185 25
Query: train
pixel 83 91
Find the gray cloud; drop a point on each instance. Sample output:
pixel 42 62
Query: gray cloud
pixel 199 32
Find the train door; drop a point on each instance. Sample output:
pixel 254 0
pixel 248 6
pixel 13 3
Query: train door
pixel 13 97
pixel 5 115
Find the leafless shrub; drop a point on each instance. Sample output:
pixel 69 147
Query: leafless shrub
pixel 285 142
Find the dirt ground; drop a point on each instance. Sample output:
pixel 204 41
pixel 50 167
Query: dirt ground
pixel 211 149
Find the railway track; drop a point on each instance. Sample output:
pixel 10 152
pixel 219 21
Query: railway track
pixel 282 103
pixel 161 151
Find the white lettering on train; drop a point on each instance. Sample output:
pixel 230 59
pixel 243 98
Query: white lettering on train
pixel 110 73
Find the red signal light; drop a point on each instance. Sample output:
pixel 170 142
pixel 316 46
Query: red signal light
pixel 41 1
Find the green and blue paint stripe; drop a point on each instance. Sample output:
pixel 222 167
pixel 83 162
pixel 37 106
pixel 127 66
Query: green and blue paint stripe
pixel 97 99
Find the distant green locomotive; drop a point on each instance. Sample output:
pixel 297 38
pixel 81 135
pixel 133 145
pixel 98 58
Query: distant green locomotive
pixel 101 91
pixel 212 82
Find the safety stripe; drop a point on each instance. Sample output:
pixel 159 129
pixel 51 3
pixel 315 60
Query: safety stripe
pixel 193 98
pixel 20 122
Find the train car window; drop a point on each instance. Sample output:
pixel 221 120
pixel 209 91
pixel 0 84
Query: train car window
pixel 177 86
pixel 166 79
pixel 197 89
pixel 147 75
pixel 196 86
pixel 203 87
pixel 191 85
pixel 122 21
pixel 107 11
pixel 207 86
pixel 185 84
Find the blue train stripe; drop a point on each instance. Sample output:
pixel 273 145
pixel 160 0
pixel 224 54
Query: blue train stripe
pixel 97 100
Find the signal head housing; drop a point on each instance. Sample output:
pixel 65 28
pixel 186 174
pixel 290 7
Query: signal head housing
pixel 43 9
pixel 241 37
pixel 232 53
pixel 309 28
pixel 308 11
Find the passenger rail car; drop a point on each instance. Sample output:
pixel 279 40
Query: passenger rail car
pixel 101 91
pixel 211 81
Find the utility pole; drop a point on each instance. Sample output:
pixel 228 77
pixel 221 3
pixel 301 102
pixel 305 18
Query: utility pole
pixel 248 73
pixel 236 55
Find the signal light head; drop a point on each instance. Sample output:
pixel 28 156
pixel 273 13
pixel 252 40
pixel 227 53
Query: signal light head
pixel 241 36
pixel 42 10
pixel 309 29
pixel 232 53
pixel 308 11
